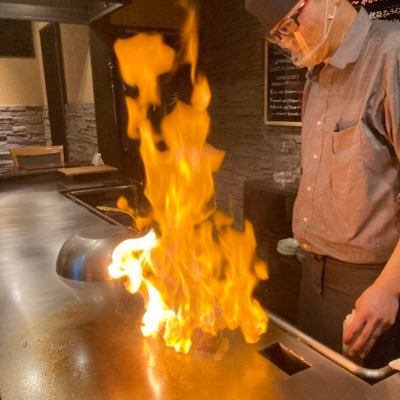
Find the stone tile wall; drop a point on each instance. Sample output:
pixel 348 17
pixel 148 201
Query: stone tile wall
pixel 232 56
pixel 46 125
pixel 81 132
pixel 19 126
pixel 30 126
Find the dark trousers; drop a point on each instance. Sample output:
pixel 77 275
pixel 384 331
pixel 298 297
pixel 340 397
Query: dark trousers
pixel 329 289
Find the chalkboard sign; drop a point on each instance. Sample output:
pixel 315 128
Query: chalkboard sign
pixel 381 9
pixel 284 82
pixel 283 89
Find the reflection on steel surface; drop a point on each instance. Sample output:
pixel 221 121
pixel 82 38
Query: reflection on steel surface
pixel 101 201
pixel 85 255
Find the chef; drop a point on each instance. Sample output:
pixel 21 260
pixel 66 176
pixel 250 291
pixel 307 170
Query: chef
pixel 345 211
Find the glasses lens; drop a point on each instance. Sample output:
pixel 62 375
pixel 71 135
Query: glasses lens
pixel 272 37
pixel 287 27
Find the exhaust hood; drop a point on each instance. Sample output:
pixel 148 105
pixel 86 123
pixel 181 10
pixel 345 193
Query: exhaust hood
pixel 65 11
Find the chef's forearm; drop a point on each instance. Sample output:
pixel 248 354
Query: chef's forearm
pixel 390 275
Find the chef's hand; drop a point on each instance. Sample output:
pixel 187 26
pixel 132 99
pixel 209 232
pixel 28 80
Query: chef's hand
pixel 376 311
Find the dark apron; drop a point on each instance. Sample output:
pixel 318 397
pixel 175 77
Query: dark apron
pixel 329 289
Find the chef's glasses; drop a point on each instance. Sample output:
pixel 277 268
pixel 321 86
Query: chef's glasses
pixel 286 27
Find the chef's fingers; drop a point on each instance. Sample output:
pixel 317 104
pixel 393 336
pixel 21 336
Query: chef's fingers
pixel 361 341
pixel 371 342
pixel 354 329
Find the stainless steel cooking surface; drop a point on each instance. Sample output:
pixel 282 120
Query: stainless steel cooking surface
pixel 61 339
pixel 365 373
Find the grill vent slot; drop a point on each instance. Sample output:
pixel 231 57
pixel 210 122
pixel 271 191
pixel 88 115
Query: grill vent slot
pixel 284 358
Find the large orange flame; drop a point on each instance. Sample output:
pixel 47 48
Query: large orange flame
pixel 196 271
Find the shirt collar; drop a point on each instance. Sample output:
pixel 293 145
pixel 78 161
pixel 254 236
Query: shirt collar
pixel 353 42
pixel 313 72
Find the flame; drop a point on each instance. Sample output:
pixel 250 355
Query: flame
pixel 193 269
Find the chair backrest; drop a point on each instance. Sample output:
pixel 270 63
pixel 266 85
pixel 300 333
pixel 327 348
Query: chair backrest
pixel 32 155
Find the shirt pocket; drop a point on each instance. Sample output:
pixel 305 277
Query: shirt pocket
pixel 346 139
pixel 348 182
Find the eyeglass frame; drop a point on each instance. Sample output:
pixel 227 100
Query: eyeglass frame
pixel 275 36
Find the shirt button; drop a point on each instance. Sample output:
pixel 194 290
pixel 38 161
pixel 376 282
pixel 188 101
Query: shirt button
pixel 319 123
pixel 305 219
pixel 315 156
pixel 309 188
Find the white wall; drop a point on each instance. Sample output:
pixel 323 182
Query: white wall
pixel 37 26
pixel 77 64
pixel 20 79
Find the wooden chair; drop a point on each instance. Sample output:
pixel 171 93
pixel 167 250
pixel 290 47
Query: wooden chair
pixel 37 155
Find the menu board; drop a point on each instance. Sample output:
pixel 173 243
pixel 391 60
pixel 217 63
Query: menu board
pixel 381 9
pixel 283 89
pixel 284 82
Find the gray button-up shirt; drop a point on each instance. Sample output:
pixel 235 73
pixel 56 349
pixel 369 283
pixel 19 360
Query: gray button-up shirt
pixel 346 204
